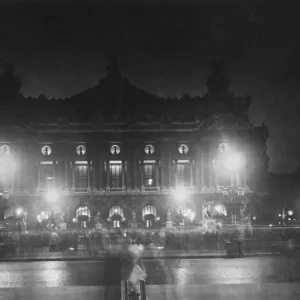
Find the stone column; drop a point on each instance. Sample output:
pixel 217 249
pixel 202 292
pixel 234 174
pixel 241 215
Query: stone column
pixel 128 171
pixel 89 176
pixel 202 168
pixel 199 167
pixel 210 170
pixel 162 171
pixel 73 176
pixel 175 173
pixel 101 174
pixel 67 168
pixel 136 171
pixel 123 175
pixel 39 176
pixel 54 174
pixel 95 183
pixel 157 174
pixel 107 175
pixel 191 174
pixel 141 168
pixel 170 170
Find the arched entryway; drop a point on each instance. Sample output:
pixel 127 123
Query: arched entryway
pixel 16 217
pixel 116 215
pixel 149 215
pixel 83 215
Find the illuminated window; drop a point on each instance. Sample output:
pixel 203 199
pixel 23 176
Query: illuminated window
pixel 83 211
pixel 46 150
pixel 116 223
pixel 149 172
pixel 46 175
pixel 116 210
pixel 81 175
pixel 81 150
pixel 149 210
pixel 183 149
pixel 183 174
pixel 149 223
pixel 115 149
pixel 115 174
pixel 149 149
pixel 5 149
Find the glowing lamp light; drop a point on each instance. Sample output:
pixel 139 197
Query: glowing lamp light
pixel 279 215
pixel 233 162
pixel 158 218
pixel 74 220
pixel 52 195
pixel 254 218
pixel 7 164
pixel 180 193
pixel 19 211
pixel 290 212
pixel 218 208
pixel 270 225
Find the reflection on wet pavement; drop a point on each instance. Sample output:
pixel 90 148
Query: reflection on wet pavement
pixel 179 272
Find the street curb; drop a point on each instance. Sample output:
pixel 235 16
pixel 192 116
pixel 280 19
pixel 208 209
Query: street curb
pixel 145 258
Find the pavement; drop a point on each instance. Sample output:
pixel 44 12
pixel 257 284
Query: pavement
pixel 259 278
pixel 148 254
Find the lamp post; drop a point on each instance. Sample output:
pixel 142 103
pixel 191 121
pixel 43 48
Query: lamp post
pixel 52 196
pixel 180 194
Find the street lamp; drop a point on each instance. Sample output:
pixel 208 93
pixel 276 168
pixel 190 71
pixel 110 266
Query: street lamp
pixel 290 212
pixel 180 195
pixel 233 162
pixel 52 195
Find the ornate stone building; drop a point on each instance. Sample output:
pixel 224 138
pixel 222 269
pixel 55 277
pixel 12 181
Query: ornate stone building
pixel 119 156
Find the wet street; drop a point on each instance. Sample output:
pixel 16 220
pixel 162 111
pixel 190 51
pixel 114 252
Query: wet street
pixel 246 278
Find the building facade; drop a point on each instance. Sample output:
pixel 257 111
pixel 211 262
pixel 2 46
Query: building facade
pixel 117 156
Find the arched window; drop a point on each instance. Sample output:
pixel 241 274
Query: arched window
pixel 149 210
pixel 116 210
pixel 83 211
pixel 221 209
pixel 149 215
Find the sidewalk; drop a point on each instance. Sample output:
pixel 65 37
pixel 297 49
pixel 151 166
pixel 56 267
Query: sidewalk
pixel 148 255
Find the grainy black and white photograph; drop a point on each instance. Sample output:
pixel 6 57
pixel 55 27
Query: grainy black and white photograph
pixel 149 150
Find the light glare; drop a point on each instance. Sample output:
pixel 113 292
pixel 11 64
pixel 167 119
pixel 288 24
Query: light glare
pixel 52 195
pixel 233 162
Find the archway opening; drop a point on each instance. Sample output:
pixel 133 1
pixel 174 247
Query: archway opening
pixel 116 215
pixel 83 215
pixel 149 215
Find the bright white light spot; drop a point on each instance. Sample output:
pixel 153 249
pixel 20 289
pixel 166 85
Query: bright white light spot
pixel 290 212
pixel 7 165
pixel 270 225
pixel 180 193
pixel 52 195
pixel 218 208
pixel 233 162
pixel 254 218
pixel 74 220
pixel 279 215
pixel 19 211
pixel 158 218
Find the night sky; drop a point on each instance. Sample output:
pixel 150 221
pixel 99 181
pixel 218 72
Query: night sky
pixel 60 48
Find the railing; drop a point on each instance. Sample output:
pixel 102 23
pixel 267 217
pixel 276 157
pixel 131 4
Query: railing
pixel 125 295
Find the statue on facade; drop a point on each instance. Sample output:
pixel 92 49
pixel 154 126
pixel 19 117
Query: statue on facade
pixel 168 215
pixel 134 216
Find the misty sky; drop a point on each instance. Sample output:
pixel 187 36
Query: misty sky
pixel 60 48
